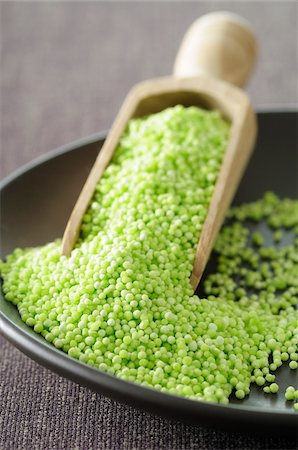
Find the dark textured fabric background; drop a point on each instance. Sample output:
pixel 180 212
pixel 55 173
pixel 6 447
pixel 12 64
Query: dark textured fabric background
pixel 65 69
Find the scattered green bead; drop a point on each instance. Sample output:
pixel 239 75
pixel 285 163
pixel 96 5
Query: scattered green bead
pixel 290 393
pixel 293 365
pixel 270 377
pixel 257 239
pixel 260 381
pixel 240 394
pixel 274 388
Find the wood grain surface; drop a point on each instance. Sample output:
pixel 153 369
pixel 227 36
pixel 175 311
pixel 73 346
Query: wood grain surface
pixel 67 66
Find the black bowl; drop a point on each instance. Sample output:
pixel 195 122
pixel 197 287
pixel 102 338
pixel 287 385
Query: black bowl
pixel 35 204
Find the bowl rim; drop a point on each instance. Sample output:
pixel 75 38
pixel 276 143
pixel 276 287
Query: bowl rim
pixel 100 135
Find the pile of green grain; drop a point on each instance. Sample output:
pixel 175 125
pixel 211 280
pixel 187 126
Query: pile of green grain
pixel 122 301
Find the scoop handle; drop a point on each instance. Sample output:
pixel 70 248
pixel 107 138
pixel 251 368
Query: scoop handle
pixel 218 45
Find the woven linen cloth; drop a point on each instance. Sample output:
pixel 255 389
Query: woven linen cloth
pixel 40 410
pixel 65 69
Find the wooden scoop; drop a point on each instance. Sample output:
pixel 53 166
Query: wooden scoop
pixel 218 46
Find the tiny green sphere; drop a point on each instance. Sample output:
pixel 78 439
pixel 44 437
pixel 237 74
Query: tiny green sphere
pixel 260 381
pixel 290 393
pixel 274 388
pixel 270 377
pixel 240 394
pixel 293 365
pixel 74 352
pixel 38 328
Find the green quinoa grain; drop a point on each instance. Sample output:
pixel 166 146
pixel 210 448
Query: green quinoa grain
pixel 122 301
pixel 257 238
pixel 260 381
pixel 274 388
pixel 293 365
pixel 290 393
